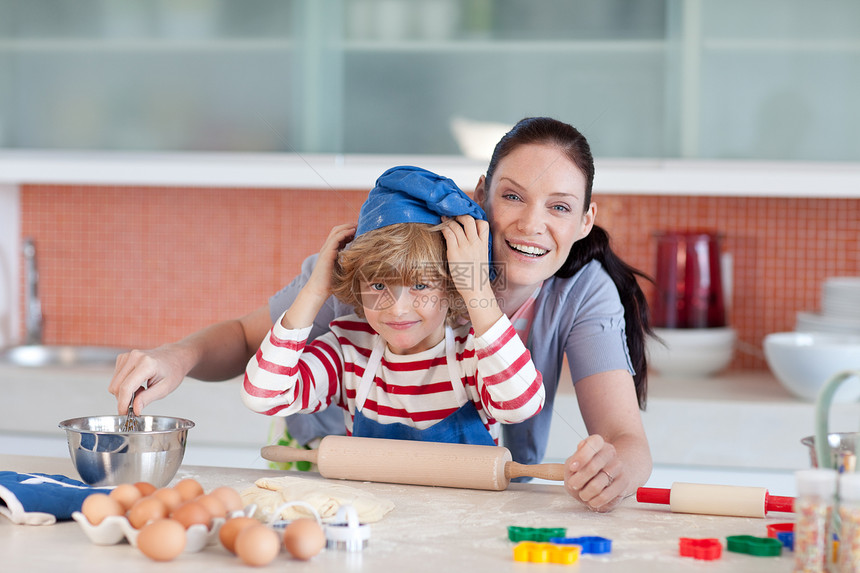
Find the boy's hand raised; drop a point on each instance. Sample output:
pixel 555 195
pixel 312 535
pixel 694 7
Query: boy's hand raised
pixel 318 288
pixel 467 241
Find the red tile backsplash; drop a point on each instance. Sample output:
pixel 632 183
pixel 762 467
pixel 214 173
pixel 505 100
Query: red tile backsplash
pixel 141 266
pixel 138 266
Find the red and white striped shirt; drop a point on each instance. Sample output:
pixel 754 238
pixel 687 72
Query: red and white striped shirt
pixel 287 376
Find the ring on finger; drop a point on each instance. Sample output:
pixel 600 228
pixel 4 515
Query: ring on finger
pixel 609 477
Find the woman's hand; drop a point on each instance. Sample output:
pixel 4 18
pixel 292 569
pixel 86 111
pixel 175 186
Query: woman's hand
pixel 158 370
pixel 217 352
pixel 595 475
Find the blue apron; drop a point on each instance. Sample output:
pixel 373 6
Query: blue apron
pixel 462 427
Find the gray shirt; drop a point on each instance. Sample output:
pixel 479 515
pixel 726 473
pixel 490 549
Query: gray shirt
pixel 581 316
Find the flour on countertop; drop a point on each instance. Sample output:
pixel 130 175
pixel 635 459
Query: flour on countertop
pixel 326 498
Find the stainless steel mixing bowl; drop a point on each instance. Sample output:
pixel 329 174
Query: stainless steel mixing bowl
pixel 104 455
pixel 843 455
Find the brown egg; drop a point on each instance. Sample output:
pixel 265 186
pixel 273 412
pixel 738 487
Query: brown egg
pixel 304 538
pixel 229 497
pixel 171 498
pixel 97 506
pixel 230 530
pixel 145 488
pixel 257 545
pixel 126 494
pixel 213 505
pixel 162 540
pixel 190 513
pixel 145 510
pixel 188 489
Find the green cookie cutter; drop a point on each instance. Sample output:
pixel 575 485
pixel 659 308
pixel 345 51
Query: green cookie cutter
pixel 752 545
pixel 540 534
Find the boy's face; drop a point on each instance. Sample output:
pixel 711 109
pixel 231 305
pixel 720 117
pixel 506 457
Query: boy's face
pixel 411 318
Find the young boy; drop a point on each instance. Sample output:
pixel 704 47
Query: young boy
pixel 405 366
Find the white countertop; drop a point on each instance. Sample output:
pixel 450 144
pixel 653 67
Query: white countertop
pixel 430 529
pixel 741 419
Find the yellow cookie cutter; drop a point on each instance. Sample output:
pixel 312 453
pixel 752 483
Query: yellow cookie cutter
pixel 534 552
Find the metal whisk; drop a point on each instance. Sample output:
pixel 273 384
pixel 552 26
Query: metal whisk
pixel 131 422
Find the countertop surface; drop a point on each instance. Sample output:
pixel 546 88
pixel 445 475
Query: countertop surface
pixel 430 529
pixel 736 419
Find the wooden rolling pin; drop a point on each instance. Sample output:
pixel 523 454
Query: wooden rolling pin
pixel 414 463
pixel 734 500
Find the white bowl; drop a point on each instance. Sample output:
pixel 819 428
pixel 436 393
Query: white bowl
pixel 477 139
pixel 804 361
pixel 690 352
pixel 812 322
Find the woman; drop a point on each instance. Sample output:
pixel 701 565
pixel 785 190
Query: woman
pixel 586 304
pixel 559 283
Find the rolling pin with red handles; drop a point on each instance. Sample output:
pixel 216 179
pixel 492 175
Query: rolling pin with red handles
pixel 733 500
pixel 414 463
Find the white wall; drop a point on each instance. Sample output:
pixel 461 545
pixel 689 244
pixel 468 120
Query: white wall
pixel 10 262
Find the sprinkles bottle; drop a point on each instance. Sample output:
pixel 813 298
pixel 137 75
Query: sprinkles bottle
pixel 813 509
pixel 849 511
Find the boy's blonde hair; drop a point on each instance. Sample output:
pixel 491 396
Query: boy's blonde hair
pixel 399 254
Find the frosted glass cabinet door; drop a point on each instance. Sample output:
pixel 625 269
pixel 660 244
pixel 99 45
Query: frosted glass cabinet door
pixel 782 82
pixel 336 76
pixel 150 101
pixel 723 79
pixel 616 100
pixel 146 74
pixel 598 65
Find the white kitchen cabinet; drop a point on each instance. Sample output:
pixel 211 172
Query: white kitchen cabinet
pixel 697 79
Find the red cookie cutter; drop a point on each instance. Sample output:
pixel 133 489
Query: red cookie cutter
pixel 704 549
pixel 774 529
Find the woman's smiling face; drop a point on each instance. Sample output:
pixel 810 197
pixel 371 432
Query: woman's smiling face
pixel 535 207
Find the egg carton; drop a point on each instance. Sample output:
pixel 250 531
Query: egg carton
pixel 114 528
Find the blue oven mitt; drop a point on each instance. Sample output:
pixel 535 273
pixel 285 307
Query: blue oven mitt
pixel 41 499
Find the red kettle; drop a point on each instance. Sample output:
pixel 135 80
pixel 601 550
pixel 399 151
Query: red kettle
pixel 689 290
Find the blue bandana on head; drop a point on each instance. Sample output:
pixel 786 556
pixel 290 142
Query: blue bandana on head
pixel 407 194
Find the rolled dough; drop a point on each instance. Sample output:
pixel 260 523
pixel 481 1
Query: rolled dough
pixel 270 493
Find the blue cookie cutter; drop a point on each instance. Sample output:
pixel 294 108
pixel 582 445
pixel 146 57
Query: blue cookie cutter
pixel 589 543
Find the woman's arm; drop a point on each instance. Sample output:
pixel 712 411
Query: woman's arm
pixel 217 352
pixel 615 459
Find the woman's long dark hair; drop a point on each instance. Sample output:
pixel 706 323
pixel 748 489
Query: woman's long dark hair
pixel 594 246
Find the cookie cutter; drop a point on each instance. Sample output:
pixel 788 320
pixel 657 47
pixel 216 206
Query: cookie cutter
pixel 708 549
pixel 539 534
pixel 773 529
pixel 276 522
pixel 345 532
pixel 752 545
pixel 589 543
pixel 541 552
pixel 787 539
pixel 784 532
